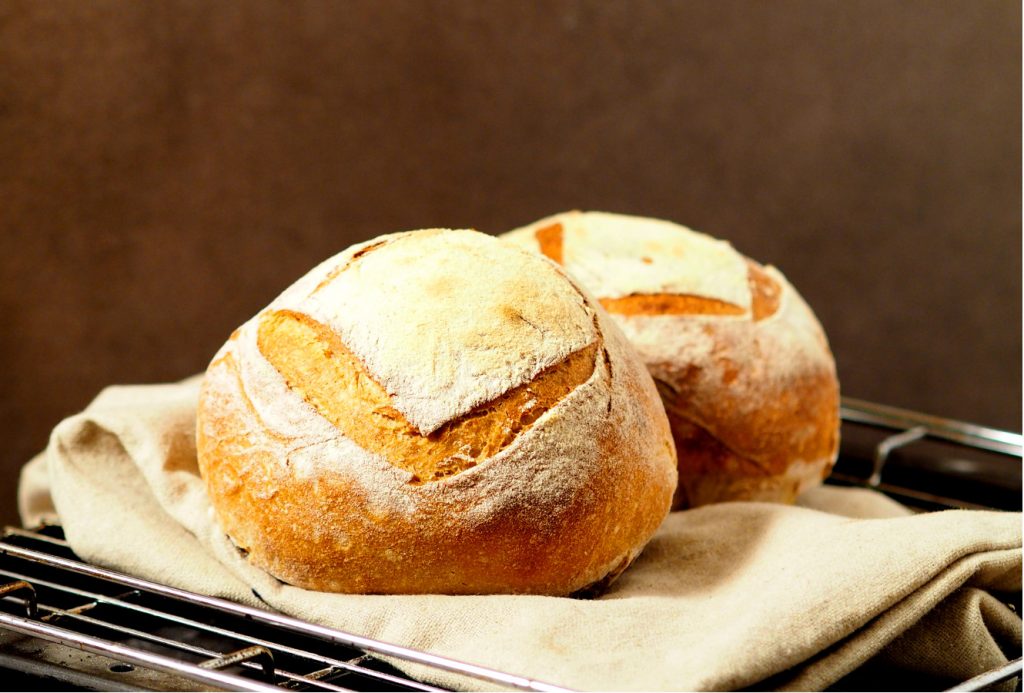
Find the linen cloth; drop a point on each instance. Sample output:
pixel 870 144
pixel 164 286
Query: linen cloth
pixel 726 596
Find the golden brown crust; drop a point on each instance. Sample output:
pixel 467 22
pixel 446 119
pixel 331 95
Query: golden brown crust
pixel 778 470
pixel 743 431
pixel 324 502
pixel 316 363
pixel 799 422
pixel 668 304
pixel 549 239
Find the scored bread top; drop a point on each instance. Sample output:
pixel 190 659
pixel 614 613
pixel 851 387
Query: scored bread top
pixel 444 320
pixel 616 255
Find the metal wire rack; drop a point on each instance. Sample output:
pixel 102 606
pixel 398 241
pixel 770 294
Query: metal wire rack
pixel 76 625
pixel 134 623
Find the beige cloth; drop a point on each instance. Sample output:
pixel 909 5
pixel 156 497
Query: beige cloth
pixel 727 596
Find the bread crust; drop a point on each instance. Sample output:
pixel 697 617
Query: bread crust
pixel 741 362
pixel 569 501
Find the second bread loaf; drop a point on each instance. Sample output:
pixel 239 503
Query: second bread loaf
pixel 742 364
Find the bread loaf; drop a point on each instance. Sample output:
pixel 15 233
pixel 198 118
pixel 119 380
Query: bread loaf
pixel 435 412
pixel 742 364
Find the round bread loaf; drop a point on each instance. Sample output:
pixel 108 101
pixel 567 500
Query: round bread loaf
pixel 741 362
pixel 435 412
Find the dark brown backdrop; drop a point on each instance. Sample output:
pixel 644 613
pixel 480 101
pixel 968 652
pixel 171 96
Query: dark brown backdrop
pixel 167 167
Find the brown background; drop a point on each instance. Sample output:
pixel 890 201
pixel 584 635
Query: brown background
pixel 167 167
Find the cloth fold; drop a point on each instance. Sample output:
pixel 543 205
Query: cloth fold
pixel 726 596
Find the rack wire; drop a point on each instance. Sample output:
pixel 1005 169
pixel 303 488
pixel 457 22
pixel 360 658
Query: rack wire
pixel 67 601
pixel 72 623
pixel 928 462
